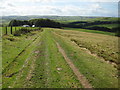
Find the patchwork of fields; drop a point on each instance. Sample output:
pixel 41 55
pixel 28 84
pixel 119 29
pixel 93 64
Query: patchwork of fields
pixel 110 26
pixel 56 58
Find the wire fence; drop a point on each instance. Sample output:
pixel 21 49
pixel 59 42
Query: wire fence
pixel 11 30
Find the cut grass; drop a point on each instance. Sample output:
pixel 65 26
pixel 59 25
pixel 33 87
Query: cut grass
pixel 41 65
pixel 13 61
pixel 46 73
pixel 23 77
pixel 12 46
pixel 99 73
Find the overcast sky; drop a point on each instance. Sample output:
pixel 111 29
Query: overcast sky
pixel 59 7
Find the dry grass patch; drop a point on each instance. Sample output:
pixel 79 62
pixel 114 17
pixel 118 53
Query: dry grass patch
pixel 103 45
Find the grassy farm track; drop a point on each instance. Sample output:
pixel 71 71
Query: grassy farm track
pixel 18 63
pixel 81 78
pixel 49 59
pixel 44 67
pixel 98 72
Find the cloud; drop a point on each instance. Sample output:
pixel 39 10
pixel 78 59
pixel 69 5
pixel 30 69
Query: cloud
pixel 2 7
pixel 7 8
pixel 38 10
pixel 71 10
pixel 29 1
pixel 11 5
pixel 98 0
pixel 94 9
pixel 52 7
pixel 80 0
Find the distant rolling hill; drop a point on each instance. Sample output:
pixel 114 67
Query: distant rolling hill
pixel 6 19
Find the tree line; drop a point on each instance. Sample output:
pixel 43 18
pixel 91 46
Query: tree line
pixel 54 24
pixel 36 22
pixel 83 25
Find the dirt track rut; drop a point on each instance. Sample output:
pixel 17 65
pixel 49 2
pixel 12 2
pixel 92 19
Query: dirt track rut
pixel 80 77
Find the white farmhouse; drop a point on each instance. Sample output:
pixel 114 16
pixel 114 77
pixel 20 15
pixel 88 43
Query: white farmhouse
pixel 33 25
pixel 25 26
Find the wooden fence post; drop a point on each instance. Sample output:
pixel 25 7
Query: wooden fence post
pixel 6 30
pixel 11 29
pixel 15 28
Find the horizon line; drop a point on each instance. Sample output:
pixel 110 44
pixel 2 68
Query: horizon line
pixel 58 15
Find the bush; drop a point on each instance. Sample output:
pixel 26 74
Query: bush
pixel 17 33
pixel 117 33
pixel 117 30
pixel 24 31
pixel 99 28
pixel 21 31
pixel 11 38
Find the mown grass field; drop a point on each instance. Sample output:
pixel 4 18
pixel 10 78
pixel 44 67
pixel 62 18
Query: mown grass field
pixel 46 69
pixel 33 60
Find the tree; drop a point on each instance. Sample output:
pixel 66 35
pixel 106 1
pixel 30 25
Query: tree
pixel 13 23
pixel 37 23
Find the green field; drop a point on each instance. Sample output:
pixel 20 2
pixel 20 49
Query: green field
pixel 34 60
pixel 90 31
pixel 0 58
pixel 110 26
pixel 3 29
